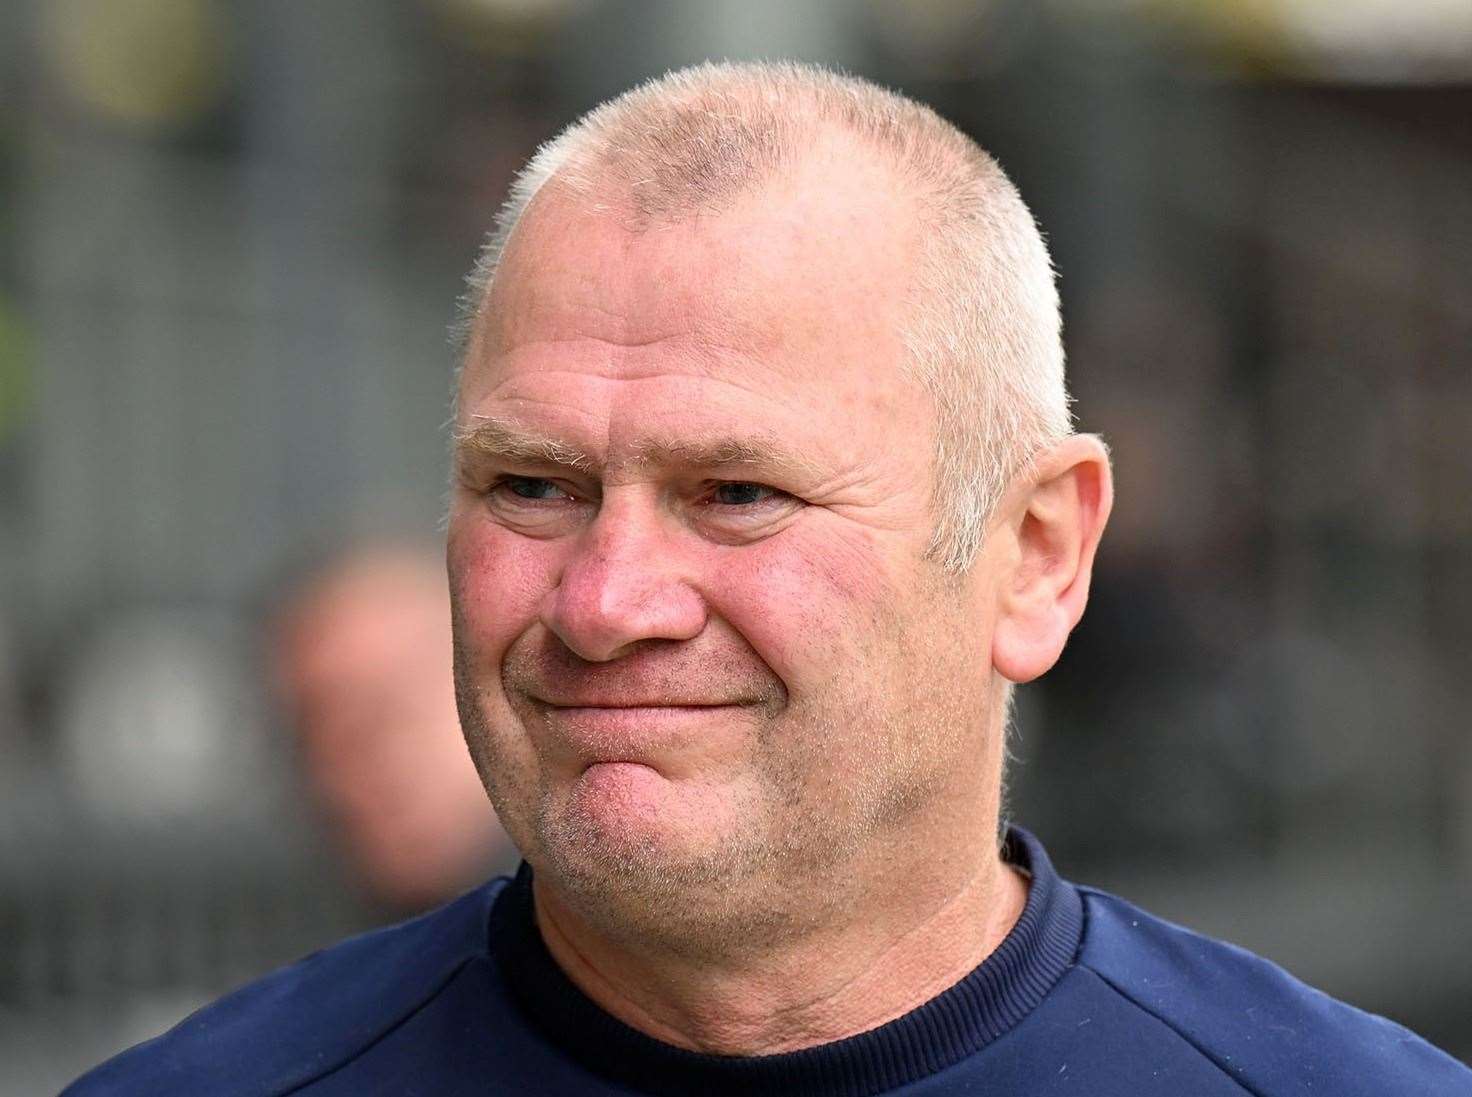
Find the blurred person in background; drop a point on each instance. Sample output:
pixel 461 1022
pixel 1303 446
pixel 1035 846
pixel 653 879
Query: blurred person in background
pixel 767 494
pixel 360 653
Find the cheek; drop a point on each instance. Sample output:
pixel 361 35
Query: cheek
pixel 497 582
pixel 808 603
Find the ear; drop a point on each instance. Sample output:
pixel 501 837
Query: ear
pixel 1053 524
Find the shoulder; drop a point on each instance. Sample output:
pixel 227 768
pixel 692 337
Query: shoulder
pixel 280 1032
pixel 1269 1032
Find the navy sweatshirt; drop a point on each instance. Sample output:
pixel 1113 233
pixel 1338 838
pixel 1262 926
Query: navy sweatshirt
pixel 1087 995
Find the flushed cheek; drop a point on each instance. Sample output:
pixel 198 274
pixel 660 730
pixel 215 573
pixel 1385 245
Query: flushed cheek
pixel 805 603
pixel 494 585
pixel 497 581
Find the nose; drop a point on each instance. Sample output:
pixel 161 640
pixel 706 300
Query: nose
pixel 623 583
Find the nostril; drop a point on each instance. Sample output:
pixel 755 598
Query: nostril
pixel 603 606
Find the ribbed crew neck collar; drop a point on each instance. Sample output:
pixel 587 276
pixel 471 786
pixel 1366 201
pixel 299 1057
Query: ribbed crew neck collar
pixel 993 998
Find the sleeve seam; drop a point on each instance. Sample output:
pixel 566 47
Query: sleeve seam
pixel 389 1030
pixel 1193 1044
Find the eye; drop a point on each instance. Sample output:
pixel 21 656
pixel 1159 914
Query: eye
pixel 739 511
pixel 741 494
pixel 535 505
pixel 531 487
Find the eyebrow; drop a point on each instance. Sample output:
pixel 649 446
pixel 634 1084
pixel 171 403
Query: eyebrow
pixel 508 441
pixel 501 438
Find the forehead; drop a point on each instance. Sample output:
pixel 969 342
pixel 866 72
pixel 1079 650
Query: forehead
pixel 817 263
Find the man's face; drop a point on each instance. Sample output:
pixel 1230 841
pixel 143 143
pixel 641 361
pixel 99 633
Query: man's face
pixel 700 654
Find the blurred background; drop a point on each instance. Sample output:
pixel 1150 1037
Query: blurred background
pixel 231 236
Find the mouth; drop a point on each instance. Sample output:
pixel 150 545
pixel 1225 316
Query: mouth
pixel 613 704
pixel 662 713
pixel 656 734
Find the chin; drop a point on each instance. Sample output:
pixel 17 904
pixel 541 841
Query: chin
pixel 710 873
pixel 638 864
pixel 700 907
pixel 630 827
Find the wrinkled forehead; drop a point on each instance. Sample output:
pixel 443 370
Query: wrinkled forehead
pixel 816 263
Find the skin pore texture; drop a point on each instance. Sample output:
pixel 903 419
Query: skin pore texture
pixel 748 736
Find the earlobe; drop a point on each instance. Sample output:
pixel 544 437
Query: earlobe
pixel 1058 521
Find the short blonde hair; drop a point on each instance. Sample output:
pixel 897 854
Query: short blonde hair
pixel 984 335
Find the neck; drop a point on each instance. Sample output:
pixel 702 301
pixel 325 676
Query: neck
pixel 916 934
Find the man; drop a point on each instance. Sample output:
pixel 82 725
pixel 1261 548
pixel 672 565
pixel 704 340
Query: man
pixel 360 651
pixel 765 495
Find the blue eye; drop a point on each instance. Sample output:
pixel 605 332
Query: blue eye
pixel 739 494
pixel 531 487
